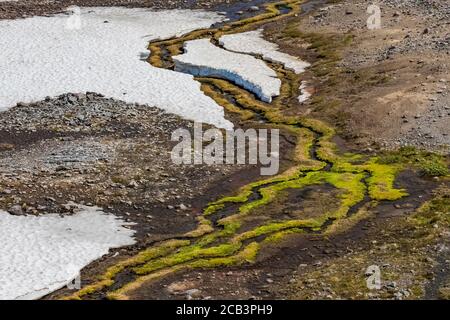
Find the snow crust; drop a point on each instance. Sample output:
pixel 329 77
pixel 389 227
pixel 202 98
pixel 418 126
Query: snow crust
pixel 252 42
pixel 202 58
pixel 304 94
pixel 39 255
pixel 47 56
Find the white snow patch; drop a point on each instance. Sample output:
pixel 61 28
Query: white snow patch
pixel 305 95
pixel 39 255
pixel 202 58
pixel 41 57
pixel 252 42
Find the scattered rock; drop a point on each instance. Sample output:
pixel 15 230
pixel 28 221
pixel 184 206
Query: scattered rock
pixel 16 210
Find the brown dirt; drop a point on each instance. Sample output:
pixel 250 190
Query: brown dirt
pixel 393 89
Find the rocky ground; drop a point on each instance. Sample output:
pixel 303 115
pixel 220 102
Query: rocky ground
pixel 87 149
pixel 407 62
pixel 26 8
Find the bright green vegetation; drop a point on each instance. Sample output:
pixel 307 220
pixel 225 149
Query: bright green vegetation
pixel 107 279
pixel 232 240
pixel 436 210
pixel 402 243
pixel 430 164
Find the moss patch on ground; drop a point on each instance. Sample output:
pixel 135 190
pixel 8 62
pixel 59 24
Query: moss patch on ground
pixel 429 164
pixel 230 241
pixel 401 247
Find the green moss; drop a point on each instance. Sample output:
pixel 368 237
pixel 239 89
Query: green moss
pixel 434 168
pixel 381 181
pixel 213 208
pixel 174 45
pixel 429 163
pixel 354 190
pixel 209 91
pixel 282 235
pixel 286 226
pixel 343 225
pixel 223 243
pixel 204 227
pixel 107 279
pixel 435 211
pixel 247 255
pixel 328 48
pixel 187 254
